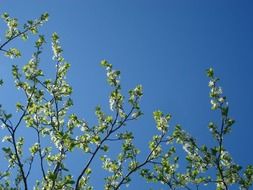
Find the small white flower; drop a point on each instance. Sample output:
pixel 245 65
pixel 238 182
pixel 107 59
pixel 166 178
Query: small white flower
pixel 214 104
pixel 84 127
pixel 3 126
pixel 112 102
pixel 6 138
pixel 219 90
pixel 221 99
pixel 211 84
pixel 186 147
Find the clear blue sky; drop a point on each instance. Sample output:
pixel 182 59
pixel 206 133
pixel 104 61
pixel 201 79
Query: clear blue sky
pixel 165 46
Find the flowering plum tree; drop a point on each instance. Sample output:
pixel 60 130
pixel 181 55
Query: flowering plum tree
pixel 45 111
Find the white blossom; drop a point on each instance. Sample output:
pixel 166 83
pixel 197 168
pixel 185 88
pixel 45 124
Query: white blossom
pixel 211 84
pixel 186 147
pixel 112 102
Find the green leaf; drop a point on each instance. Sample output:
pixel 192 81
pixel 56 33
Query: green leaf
pixel 210 72
pixel 13 53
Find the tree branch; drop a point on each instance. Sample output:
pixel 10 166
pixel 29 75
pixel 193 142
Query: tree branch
pixel 112 130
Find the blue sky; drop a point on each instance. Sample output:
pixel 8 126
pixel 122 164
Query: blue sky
pixel 165 46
